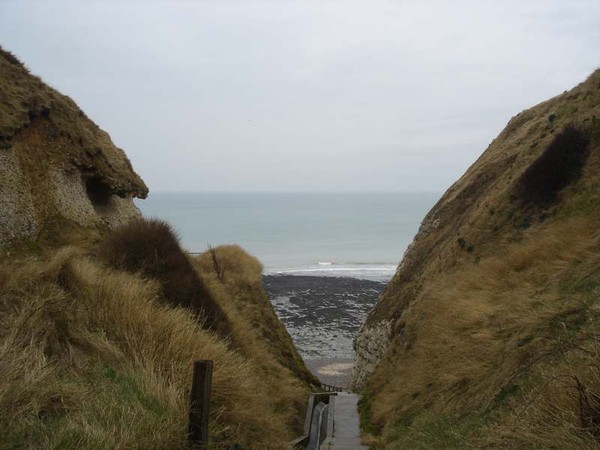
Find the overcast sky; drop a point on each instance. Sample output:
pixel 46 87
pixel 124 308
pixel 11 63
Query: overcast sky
pixel 246 95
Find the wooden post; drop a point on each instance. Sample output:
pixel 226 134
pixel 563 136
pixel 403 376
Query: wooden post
pixel 216 265
pixel 200 403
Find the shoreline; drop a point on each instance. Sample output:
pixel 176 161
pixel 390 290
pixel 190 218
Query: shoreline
pixel 332 371
pixel 376 272
pixel 323 316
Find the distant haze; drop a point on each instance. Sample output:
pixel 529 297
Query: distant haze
pixel 304 95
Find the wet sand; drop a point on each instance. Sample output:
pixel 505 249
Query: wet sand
pixel 332 371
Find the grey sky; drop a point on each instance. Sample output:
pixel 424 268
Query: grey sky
pixel 304 95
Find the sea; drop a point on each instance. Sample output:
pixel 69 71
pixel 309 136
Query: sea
pixel 326 256
pixel 359 235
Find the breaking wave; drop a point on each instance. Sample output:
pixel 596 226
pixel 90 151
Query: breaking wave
pixel 367 271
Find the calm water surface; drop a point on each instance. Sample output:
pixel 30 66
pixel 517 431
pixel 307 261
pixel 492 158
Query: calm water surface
pixel 361 235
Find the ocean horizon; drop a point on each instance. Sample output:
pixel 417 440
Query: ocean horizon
pixel 359 235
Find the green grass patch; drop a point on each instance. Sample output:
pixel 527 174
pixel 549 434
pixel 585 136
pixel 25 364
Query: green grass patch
pixel 525 340
pixel 433 431
pixel 114 410
pixel 583 203
pixel 506 392
pixel 366 414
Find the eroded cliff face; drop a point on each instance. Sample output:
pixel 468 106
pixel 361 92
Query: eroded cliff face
pixel 369 346
pixel 474 278
pixel 55 163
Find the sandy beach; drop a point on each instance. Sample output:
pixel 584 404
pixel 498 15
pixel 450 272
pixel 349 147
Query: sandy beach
pixel 333 371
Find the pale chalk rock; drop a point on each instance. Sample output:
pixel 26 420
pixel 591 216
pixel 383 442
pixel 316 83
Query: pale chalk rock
pixel 370 345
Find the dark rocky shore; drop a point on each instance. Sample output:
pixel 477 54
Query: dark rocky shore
pixel 323 314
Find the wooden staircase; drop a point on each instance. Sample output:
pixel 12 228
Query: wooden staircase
pixel 332 421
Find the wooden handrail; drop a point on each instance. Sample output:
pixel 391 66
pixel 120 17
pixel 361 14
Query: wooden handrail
pixel 330 388
pixel 313 400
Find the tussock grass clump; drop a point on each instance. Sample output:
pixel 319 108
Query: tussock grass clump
pixel 90 357
pixel 233 262
pixel 556 168
pixel 152 248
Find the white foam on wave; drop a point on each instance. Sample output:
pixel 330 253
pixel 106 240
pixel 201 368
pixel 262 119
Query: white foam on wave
pixel 370 271
pixel 351 263
pixel 336 269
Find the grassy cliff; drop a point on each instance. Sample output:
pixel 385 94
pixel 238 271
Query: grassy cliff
pixel 490 321
pixel 102 313
pixel 60 171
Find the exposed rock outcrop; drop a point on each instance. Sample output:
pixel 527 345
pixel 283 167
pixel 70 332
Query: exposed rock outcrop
pixel 55 163
pixel 369 347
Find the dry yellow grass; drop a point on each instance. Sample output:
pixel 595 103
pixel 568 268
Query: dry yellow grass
pixel 33 113
pixel 89 358
pixel 93 357
pixel 496 336
pixel 498 296
pixel 257 331
pixel 549 414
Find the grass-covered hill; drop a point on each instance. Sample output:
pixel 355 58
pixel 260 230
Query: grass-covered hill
pixel 97 357
pixel 102 313
pixel 488 335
